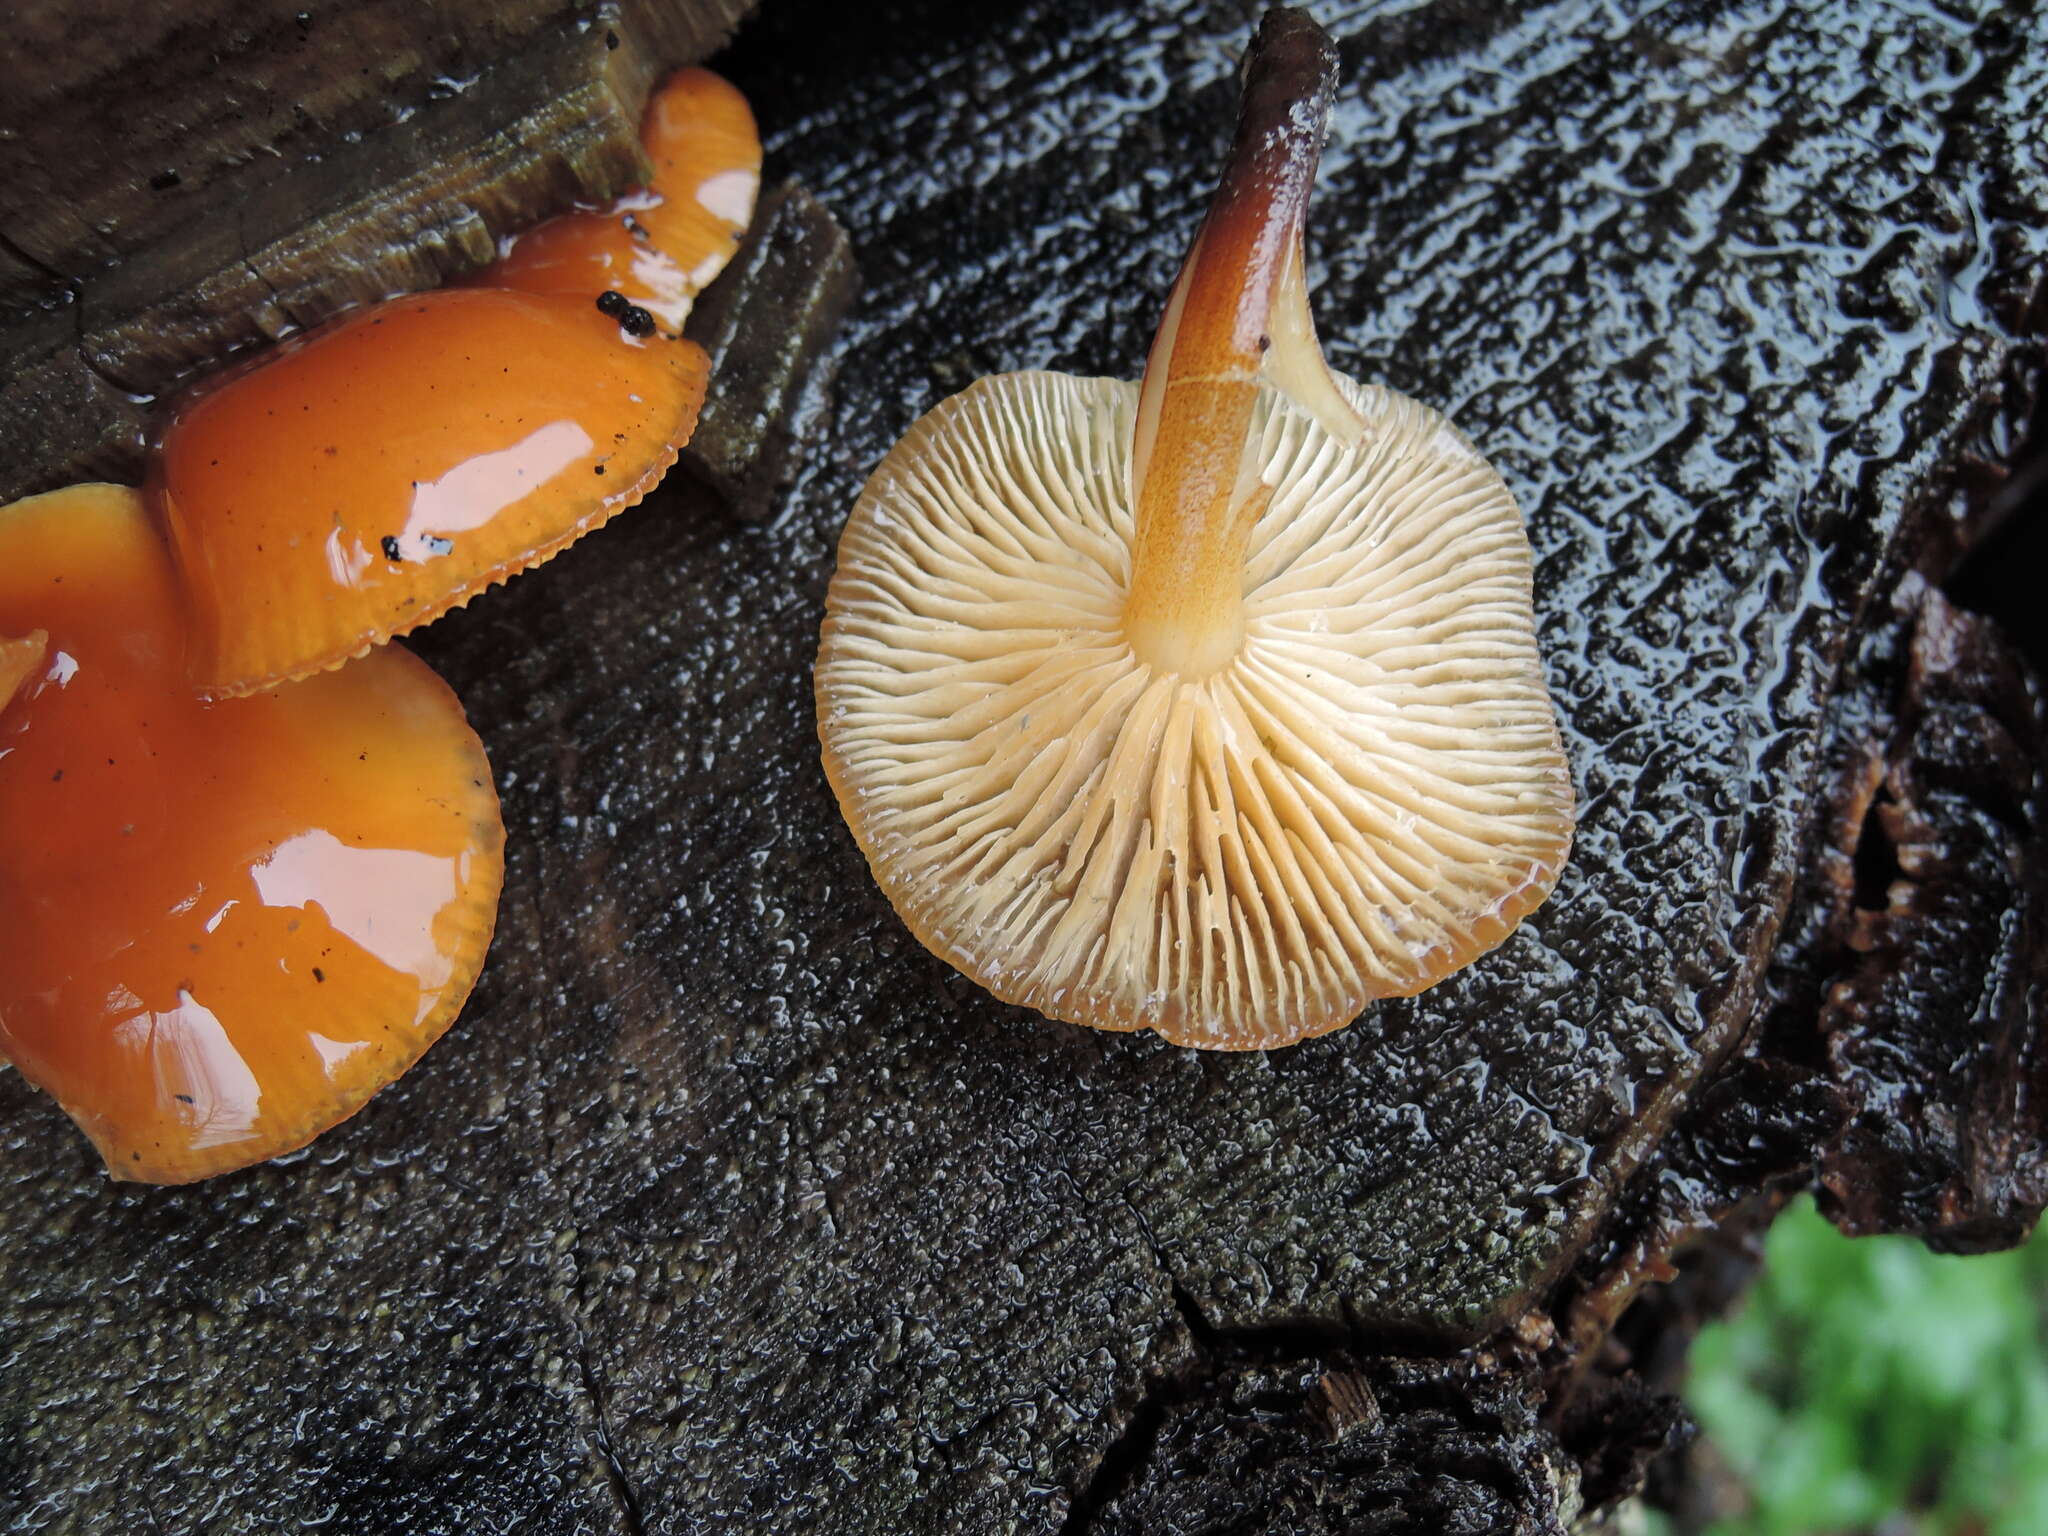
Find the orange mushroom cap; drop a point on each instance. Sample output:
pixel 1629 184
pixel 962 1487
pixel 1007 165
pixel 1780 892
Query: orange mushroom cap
pixel 660 246
pixel 225 925
pixel 20 659
pixel 365 478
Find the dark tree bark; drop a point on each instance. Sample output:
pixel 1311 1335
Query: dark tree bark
pixel 725 1206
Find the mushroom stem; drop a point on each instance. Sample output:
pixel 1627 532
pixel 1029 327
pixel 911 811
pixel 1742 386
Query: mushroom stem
pixel 1238 318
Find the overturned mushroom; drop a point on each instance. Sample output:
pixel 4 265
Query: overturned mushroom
pixel 225 926
pixel 366 477
pixel 1212 706
pixel 659 246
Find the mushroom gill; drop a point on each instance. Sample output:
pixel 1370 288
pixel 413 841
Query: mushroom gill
pixel 1213 706
pixel 224 926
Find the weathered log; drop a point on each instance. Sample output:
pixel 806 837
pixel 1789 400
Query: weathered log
pixel 766 323
pixel 728 1207
pixel 1894 1061
pixel 180 181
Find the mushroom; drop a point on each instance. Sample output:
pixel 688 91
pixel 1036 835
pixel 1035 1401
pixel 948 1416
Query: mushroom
pixel 20 659
pixel 225 925
pixel 659 246
pixel 355 482
pixel 1212 706
pixel 364 478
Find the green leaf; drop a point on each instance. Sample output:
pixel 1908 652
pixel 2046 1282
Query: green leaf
pixel 1868 1379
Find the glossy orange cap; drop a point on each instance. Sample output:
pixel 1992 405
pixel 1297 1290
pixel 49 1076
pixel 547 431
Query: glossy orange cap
pixel 225 926
pixel 20 659
pixel 660 246
pixel 370 475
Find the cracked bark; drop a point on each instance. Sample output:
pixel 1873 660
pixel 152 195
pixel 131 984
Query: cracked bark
pixel 601 1435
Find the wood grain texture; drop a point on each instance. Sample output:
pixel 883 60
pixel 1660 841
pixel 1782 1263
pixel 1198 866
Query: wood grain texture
pixel 182 181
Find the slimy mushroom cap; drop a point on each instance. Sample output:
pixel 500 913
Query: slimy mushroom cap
pixel 225 926
pixel 20 659
pixel 660 246
pixel 700 136
pixel 362 479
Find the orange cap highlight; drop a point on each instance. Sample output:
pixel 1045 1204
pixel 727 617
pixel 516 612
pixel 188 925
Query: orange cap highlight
pixel 365 478
pixel 658 246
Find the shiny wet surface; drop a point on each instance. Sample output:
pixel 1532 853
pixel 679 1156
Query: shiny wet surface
pixel 366 476
pixel 659 245
pixel 820 1237
pixel 220 925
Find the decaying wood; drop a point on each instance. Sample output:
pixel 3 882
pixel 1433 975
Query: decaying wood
pixel 726 1207
pixel 766 322
pixel 183 180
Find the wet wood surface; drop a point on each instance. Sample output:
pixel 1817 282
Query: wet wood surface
pixel 178 181
pixel 726 1207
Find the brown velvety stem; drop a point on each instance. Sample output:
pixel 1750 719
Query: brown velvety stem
pixel 1240 294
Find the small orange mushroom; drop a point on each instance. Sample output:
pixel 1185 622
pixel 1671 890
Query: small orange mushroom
pixel 1210 706
pixel 225 926
pixel 357 481
pixel 659 246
